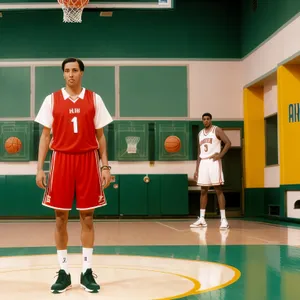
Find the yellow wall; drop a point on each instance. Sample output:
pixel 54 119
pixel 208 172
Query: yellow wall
pixel 289 123
pixel 254 137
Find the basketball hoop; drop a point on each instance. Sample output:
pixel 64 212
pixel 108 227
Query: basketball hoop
pixel 132 142
pixel 72 10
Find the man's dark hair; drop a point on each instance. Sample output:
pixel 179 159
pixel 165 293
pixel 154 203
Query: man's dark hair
pixel 73 59
pixel 207 115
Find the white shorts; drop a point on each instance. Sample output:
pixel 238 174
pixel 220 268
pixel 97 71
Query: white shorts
pixel 210 173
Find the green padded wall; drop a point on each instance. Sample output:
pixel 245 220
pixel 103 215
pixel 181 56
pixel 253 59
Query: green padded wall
pixel 144 89
pixel 99 79
pixel 154 195
pixel 22 198
pixel 163 195
pixel 174 194
pixel 14 92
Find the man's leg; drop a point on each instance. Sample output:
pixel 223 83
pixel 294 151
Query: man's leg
pixel 63 281
pixel 221 200
pixel 203 203
pixel 61 238
pixel 204 182
pixel 59 196
pixel 87 239
pixel 89 195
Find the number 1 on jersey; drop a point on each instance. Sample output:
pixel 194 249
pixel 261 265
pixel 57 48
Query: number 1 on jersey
pixel 75 124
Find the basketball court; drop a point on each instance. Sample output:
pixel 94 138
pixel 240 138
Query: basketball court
pixel 156 259
pixel 139 258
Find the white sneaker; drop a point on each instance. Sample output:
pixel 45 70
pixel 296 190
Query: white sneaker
pixel 199 223
pixel 224 224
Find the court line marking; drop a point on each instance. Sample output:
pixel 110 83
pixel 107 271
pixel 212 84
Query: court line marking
pixel 170 227
pixel 173 228
pixel 194 281
pixel 236 277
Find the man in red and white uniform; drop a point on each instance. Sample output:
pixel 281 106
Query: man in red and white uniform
pixel 209 167
pixel 76 117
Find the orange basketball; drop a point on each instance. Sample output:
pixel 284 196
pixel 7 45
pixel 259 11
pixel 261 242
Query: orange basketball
pixel 13 145
pixel 172 144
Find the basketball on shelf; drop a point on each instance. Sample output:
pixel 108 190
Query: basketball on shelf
pixel 172 144
pixel 13 145
pixel 72 10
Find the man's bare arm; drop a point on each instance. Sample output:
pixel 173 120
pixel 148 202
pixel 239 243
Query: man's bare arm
pixel 198 158
pixel 224 138
pixel 43 150
pixel 43 147
pixel 102 146
pixel 103 156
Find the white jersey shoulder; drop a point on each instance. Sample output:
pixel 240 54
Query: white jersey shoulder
pixel 209 142
pixel 102 116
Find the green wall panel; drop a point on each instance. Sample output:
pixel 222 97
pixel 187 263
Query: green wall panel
pixel 22 198
pixel 174 195
pixel 194 29
pixel 254 202
pixel 133 195
pixel 205 29
pixel 153 91
pixel 154 195
pixel 14 91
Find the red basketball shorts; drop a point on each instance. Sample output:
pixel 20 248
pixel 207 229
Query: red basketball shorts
pixel 74 176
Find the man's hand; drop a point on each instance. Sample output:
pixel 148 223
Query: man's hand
pixel 196 175
pixel 106 178
pixel 216 156
pixel 41 179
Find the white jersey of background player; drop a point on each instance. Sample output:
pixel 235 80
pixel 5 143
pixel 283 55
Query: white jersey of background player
pixel 209 167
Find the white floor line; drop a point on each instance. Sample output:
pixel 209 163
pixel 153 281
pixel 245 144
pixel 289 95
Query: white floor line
pixel 173 228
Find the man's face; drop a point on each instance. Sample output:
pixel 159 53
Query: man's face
pixel 72 74
pixel 206 121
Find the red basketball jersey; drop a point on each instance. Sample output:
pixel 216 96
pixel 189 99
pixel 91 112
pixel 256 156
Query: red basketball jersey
pixel 73 128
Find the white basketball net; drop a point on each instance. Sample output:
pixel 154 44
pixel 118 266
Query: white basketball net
pixel 72 10
pixel 132 142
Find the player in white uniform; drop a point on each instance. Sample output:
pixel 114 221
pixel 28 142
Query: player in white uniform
pixel 209 167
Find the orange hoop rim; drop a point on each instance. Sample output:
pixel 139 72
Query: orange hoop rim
pixel 79 4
